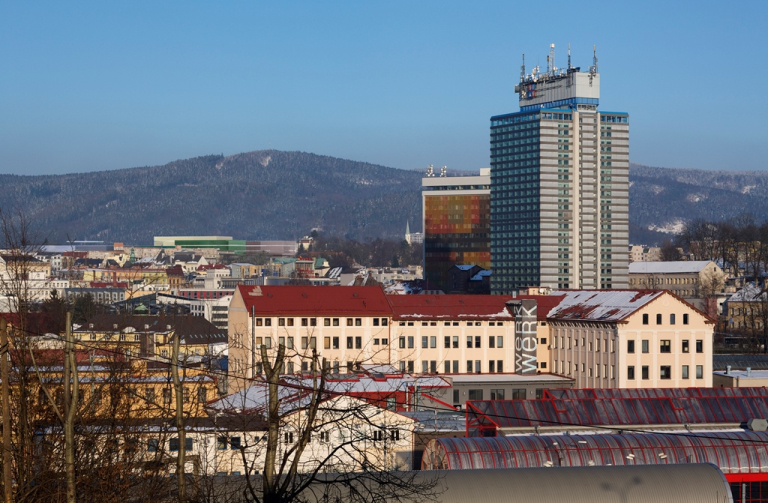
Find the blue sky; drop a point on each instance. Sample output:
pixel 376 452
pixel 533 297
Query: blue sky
pixel 103 85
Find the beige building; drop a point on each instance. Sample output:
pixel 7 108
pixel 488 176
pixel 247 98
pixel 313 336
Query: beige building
pixel 740 379
pixel 602 339
pixel 688 279
pixel 630 339
pixel 639 253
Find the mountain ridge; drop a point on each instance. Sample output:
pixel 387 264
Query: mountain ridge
pixel 272 194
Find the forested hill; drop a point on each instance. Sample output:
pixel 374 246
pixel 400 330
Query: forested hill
pixel 256 195
pixel 271 194
pixel 666 198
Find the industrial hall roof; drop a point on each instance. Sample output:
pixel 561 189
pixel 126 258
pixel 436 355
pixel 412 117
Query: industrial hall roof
pixel 619 408
pixel 732 452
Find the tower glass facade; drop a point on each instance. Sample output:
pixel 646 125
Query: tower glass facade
pixel 559 187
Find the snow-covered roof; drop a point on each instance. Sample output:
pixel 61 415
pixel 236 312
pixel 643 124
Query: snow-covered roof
pixel 676 267
pixel 749 293
pixel 601 305
pixel 479 276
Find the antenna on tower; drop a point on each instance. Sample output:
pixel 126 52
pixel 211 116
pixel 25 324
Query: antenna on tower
pixel 444 171
pixel 430 170
pixel 594 60
pixel 522 70
pixel 551 60
pixel 569 56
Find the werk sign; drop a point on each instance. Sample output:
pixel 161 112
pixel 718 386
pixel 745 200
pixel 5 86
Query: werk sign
pixel 525 336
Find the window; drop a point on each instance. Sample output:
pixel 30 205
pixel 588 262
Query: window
pixel 153 445
pixel 433 367
pixel 475 394
pixel 491 342
pixel 491 366
pixel 685 372
pixel 234 443
pixel 424 367
pixel 304 322
pixel 499 341
pixel 630 346
pixel 665 372
pixel 455 341
pixel 166 395
pixel 685 319
pixel 410 342
pixel 631 373
pixel 433 341
pixel 469 341
pixel 665 346
pixel 477 341
pixel 358 322
pixel 447 366
pixel 202 395
pixel 349 322
pixel 424 341
pixel 383 322
pixel 518 394
pixel 455 366
pixel 686 347
pixel 221 443
pixel 288 437
pixel 699 346
pixel 699 371
pixel 326 322
pixel 477 366
pixel 281 322
pixel 645 371
pixel 497 394
pixel 375 322
pixel 499 366
pixel 447 342
pixel 645 345
pixel 469 366
pixel 394 434
pixel 645 319
pixel 658 319
pixel 304 342
pixel 402 343
pixel 672 319
pixel 325 436
pixel 290 343
pixel 335 343
pixel 358 342
pixel 174 444
pixel 378 435
pixel 350 343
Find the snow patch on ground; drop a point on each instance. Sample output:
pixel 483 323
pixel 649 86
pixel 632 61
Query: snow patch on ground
pixel 695 198
pixel 657 189
pixel 264 161
pixel 747 189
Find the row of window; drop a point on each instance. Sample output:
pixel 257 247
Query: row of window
pixel 659 319
pixel 452 366
pixel 312 322
pixel 665 372
pixel 453 323
pixel 665 346
pixel 496 394
pixel 473 342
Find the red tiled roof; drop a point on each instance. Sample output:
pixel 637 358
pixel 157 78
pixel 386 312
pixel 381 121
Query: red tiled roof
pixel 449 307
pixel 315 300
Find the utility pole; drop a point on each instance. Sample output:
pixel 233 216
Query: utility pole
pixel 180 460
pixel 70 408
pixel 7 478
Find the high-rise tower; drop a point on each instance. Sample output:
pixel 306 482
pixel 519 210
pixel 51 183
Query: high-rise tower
pixel 559 185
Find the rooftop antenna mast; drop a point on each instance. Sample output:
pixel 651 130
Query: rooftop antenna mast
pixel 593 68
pixel 551 68
pixel 569 57
pixel 522 70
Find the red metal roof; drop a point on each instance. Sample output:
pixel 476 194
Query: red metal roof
pixel 450 307
pixel 544 303
pixel 316 300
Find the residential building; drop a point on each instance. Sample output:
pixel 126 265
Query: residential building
pixel 559 185
pixel 456 224
pixel 639 253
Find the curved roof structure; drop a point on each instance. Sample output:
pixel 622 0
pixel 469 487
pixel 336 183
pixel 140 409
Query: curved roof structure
pixel 620 408
pixel 732 452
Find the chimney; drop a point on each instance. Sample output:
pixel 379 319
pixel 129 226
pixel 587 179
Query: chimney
pixel 727 370
pixel 749 371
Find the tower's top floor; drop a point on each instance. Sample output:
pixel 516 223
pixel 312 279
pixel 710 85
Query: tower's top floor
pixel 559 87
